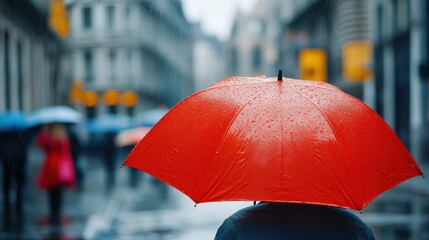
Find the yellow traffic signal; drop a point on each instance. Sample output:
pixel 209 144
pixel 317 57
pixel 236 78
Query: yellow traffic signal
pixel 90 99
pixel 129 99
pixel 111 97
pixel 356 59
pixel 76 93
pixel 58 18
pixel 312 64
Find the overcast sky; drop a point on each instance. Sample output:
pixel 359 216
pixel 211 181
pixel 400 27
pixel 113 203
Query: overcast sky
pixel 216 16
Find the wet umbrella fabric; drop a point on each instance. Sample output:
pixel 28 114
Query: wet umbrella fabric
pixel 54 114
pixel 12 121
pixel 260 139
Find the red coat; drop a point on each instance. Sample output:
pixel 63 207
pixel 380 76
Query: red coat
pixel 57 169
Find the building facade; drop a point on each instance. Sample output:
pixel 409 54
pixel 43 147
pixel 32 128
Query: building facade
pixel 209 59
pixel 397 31
pixel 400 56
pixel 140 46
pixel 327 25
pixel 400 90
pixel 31 58
pixel 253 47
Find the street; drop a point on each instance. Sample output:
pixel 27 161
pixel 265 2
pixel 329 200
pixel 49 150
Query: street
pixel 152 210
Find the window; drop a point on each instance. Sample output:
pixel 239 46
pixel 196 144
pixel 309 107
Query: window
pixel 88 66
pixel 257 58
pixel 112 57
pixel 127 15
pixel 86 17
pixel 110 13
pixel 130 72
pixel 234 60
pixel 7 70
pixel 400 15
pixel 20 75
pixel 403 16
pixel 379 30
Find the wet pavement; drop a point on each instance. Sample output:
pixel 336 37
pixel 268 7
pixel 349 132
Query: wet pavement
pixel 152 210
pixel 78 205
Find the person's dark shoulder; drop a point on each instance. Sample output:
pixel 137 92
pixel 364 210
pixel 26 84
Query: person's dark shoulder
pixel 227 230
pixel 304 221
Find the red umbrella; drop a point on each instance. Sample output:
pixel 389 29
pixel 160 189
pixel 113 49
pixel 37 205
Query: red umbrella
pixel 264 139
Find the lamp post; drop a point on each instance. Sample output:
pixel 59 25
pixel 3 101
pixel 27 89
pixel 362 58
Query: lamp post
pixel 90 99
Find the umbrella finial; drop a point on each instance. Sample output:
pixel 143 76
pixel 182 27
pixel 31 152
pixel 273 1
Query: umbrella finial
pixel 280 76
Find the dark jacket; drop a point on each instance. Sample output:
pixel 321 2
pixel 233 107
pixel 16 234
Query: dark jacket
pixel 293 221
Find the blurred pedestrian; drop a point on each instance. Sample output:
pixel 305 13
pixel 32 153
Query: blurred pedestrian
pixel 109 155
pixel 76 150
pixel 269 220
pixel 57 170
pixel 13 157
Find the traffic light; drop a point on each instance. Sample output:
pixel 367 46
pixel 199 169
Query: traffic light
pixel 111 99
pixel 77 92
pixel 90 99
pixel 129 99
pixel 312 64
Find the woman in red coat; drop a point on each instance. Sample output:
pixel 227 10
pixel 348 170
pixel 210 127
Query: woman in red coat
pixel 57 170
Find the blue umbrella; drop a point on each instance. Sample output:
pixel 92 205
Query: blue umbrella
pixel 12 121
pixel 150 117
pixel 107 123
pixel 54 114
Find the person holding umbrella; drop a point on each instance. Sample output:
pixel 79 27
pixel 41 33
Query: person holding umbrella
pixel 277 140
pixel 14 142
pixel 13 157
pixel 275 220
pixel 106 127
pixel 57 170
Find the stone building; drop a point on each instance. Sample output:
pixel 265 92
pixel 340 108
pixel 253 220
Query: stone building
pixel 253 47
pixel 209 59
pixel 141 46
pixel 32 72
pixel 327 25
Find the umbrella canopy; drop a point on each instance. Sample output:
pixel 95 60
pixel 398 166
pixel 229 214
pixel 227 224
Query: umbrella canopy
pixel 263 139
pixel 130 137
pixel 54 114
pixel 12 121
pixel 150 117
pixel 107 123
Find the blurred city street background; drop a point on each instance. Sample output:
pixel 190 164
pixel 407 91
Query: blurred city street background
pixel 130 61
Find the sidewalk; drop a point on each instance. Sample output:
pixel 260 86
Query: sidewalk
pixel 78 205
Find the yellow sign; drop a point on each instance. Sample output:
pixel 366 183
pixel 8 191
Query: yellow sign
pixel 111 97
pixel 129 99
pixel 59 19
pixel 312 64
pixel 356 59
pixel 90 98
pixel 76 92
